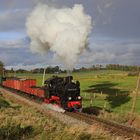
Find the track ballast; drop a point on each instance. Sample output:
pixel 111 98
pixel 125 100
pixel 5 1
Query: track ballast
pixel 111 126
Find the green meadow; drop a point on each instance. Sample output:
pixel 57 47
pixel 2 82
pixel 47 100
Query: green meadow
pixel 109 89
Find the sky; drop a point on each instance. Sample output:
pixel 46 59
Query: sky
pixel 115 38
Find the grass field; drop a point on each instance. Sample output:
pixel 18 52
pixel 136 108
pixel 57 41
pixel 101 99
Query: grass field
pixel 103 88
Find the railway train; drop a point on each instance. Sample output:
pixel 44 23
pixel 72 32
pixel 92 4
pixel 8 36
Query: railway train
pixel 62 91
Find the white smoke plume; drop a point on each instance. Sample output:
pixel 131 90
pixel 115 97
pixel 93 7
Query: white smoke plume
pixel 63 31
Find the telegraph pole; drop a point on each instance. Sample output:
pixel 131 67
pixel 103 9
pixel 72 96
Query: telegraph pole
pixel 15 73
pixel 43 79
pixel 135 94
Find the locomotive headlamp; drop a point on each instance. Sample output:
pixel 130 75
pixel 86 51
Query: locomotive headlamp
pixel 79 97
pixel 69 98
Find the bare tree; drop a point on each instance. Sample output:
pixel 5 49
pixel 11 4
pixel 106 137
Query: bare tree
pixel 1 67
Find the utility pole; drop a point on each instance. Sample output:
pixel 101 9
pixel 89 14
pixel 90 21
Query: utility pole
pixel 43 79
pixel 3 72
pixel 135 95
pixel 14 73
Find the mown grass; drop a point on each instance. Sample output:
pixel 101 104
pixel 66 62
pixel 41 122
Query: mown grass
pixel 113 89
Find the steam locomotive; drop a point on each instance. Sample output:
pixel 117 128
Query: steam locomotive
pixel 61 91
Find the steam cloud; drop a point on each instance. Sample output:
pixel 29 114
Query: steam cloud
pixel 63 31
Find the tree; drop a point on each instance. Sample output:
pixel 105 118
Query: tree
pixel 12 70
pixel 1 68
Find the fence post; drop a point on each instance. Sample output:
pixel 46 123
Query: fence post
pixel 85 94
pixel 91 99
pixel 94 95
pixel 101 93
pixel 104 107
pixel 135 95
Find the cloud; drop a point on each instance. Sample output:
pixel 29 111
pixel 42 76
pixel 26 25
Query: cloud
pixel 14 43
pixel 22 56
pixel 116 31
pixel 102 52
pixel 12 20
pixel 126 52
pixel 113 18
pixel 26 67
pixel 13 13
pixel 14 51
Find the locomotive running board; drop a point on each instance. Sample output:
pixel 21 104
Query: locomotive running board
pixel 54 107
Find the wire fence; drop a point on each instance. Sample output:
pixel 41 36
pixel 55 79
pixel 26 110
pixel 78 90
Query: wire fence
pixel 119 103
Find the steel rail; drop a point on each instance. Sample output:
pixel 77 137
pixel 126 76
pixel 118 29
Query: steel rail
pixel 111 126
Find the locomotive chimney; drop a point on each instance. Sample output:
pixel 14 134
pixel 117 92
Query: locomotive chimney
pixel 69 79
pixel 69 72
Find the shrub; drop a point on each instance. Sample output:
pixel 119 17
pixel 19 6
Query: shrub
pixel 12 131
pixel 3 102
pixel 85 136
pixel 133 74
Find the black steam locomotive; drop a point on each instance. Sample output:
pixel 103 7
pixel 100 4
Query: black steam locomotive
pixel 64 92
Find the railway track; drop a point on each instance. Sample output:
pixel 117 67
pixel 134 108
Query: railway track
pixel 111 126
pixel 40 107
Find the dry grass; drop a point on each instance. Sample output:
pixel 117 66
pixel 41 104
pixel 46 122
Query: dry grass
pixel 18 121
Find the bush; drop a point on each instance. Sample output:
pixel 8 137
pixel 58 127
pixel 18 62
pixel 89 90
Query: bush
pixel 3 102
pixel 12 131
pixel 133 74
pixel 85 136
